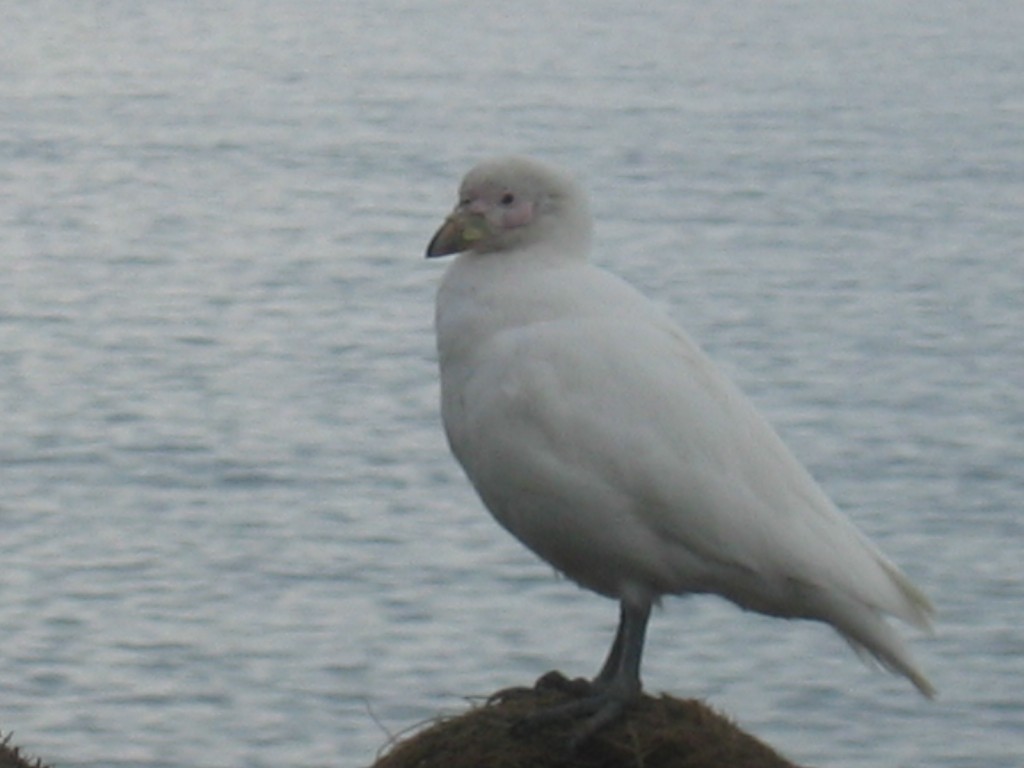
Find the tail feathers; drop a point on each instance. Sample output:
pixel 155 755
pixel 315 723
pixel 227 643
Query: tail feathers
pixel 871 636
pixel 895 658
pixel 914 607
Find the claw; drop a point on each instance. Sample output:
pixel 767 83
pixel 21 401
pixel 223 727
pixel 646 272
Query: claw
pixel 608 712
pixel 606 698
pixel 599 709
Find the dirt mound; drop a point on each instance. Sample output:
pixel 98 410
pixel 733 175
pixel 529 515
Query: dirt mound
pixel 657 732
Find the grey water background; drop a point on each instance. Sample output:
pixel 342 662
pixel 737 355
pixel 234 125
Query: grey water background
pixel 231 533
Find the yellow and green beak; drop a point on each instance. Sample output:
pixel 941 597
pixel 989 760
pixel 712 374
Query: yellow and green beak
pixel 458 233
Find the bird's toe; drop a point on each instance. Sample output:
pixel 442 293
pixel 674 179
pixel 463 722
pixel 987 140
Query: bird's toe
pixel 595 711
pixel 555 681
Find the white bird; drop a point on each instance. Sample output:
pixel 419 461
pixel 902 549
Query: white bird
pixel 607 442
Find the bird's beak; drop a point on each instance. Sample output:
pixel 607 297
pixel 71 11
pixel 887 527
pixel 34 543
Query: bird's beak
pixel 458 233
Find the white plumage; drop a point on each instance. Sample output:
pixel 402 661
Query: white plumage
pixel 606 441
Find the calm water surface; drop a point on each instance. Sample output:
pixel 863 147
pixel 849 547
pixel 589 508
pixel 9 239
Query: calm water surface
pixel 232 534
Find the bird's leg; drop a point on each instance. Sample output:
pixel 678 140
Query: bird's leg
pixel 616 685
pixel 618 682
pixel 579 687
pixel 611 663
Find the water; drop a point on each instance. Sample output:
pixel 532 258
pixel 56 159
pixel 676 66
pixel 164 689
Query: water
pixel 232 533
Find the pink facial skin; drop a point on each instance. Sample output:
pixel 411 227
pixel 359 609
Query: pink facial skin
pixel 517 214
pixel 511 213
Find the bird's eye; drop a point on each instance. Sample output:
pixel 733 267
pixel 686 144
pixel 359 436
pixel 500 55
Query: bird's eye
pixel 508 198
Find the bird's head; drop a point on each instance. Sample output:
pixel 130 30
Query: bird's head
pixel 514 202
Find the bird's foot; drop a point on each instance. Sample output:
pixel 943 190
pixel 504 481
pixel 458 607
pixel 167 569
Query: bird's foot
pixel 550 681
pixel 599 705
pixel 554 680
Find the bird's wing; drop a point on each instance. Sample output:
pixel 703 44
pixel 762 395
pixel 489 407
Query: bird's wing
pixel 630 410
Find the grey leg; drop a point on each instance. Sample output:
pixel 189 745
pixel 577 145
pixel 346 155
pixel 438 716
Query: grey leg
pixel 611 664
pixel 616 685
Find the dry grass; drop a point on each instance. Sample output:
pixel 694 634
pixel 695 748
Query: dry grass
pixel 661 732
pixel 11 757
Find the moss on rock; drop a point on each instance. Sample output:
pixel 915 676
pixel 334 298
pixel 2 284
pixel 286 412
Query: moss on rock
pixel 657 732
